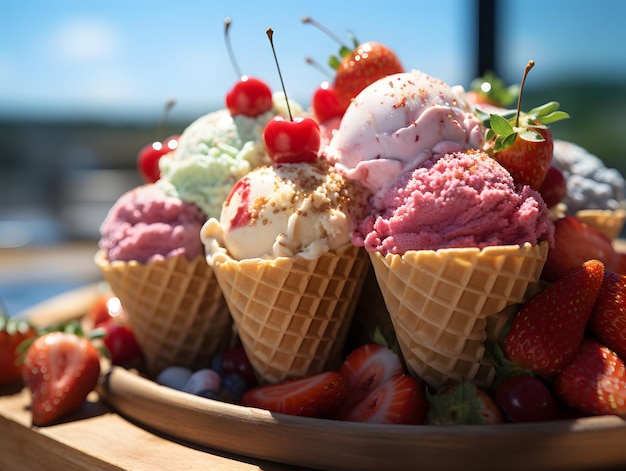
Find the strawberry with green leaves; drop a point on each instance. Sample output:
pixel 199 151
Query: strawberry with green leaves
pixel 547 330
pixel 13 332
pixel 594 382
pixel 608 318
pixel 463 404
pixel 522 142
pixel 491 90
pixel 60 369
pixel 359 66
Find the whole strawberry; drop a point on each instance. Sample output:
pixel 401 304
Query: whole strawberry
pixel 576 242
pixel 608 318
pixel 547 330
pixel 463 404
pixel 594 382
pixel 13 332
pixel 359 66
pixel 367 63
pixel 60 369
pixel 522 143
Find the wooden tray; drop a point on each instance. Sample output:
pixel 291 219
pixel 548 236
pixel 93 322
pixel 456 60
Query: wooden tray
pixel 586 443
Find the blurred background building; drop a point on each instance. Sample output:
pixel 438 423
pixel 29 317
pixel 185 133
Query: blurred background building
pixel 83 85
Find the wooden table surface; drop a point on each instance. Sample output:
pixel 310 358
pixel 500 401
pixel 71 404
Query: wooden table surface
pixel 99 439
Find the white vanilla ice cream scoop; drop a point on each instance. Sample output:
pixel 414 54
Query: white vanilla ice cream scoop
pixel 287 210
pixel 397 123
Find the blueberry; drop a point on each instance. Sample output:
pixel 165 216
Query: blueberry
pixel 174 377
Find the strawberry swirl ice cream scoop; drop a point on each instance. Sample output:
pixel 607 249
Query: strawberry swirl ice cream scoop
pixel 465 199
pixel 397 123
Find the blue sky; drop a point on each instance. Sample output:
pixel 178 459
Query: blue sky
pixel 128 57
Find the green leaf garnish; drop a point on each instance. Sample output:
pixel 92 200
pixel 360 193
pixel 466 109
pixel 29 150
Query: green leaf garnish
pixel 492 87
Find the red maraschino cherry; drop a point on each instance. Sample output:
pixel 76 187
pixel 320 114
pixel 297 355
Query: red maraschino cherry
pixel 290 140
pixel 250 96
pixel 149 155
pixel 325 103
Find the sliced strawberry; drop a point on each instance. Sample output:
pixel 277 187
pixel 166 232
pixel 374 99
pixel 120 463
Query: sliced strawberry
pixel 463 404
pixel 576 242
pixel 594 382
pixel 366 368
pixel 60 369
pixel 547 330
pixel 608 318
pixel 320 395
pixel 399 400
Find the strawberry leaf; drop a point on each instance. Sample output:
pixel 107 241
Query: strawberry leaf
pixel 554 117
pixel 492 87
pixel 502 142
pixel 500 125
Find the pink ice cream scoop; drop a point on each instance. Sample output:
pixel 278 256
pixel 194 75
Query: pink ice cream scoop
pixel 456 200
pixel 146 225
pixel 397 123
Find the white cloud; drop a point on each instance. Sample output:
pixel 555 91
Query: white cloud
pixel 81 39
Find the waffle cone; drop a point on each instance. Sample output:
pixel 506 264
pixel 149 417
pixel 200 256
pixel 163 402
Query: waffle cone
pixel 293 314
pixel 445 304
pixel 175 308
pixel 609 222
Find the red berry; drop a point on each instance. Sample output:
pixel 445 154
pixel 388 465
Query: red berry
pixel 369 62
pixel 149 156
pixel 120 342
pixel 547 330
pixel 292 141
pixel 249 97
pixel 594 382
pixel 525 398
pixel 318 395
pixel 236 361
pixel 575 243
pixel 325 103
pixel 608 318
pixel 463 404
pixel 554 187
pixel 60 369
pixel 528 161
pixel 366 368
pixel 399 400
pixel 13 332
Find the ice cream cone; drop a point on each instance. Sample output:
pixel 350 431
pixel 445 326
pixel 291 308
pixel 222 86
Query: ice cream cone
pixel 292 314
pixel 443 304
pixel 175 308
pixel 609 222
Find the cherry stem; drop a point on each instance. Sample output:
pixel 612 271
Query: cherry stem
pixel 270 35
pixel 169 104
pixel 229 48
pixel 314 63
pixel 321 27
pixel 530 65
